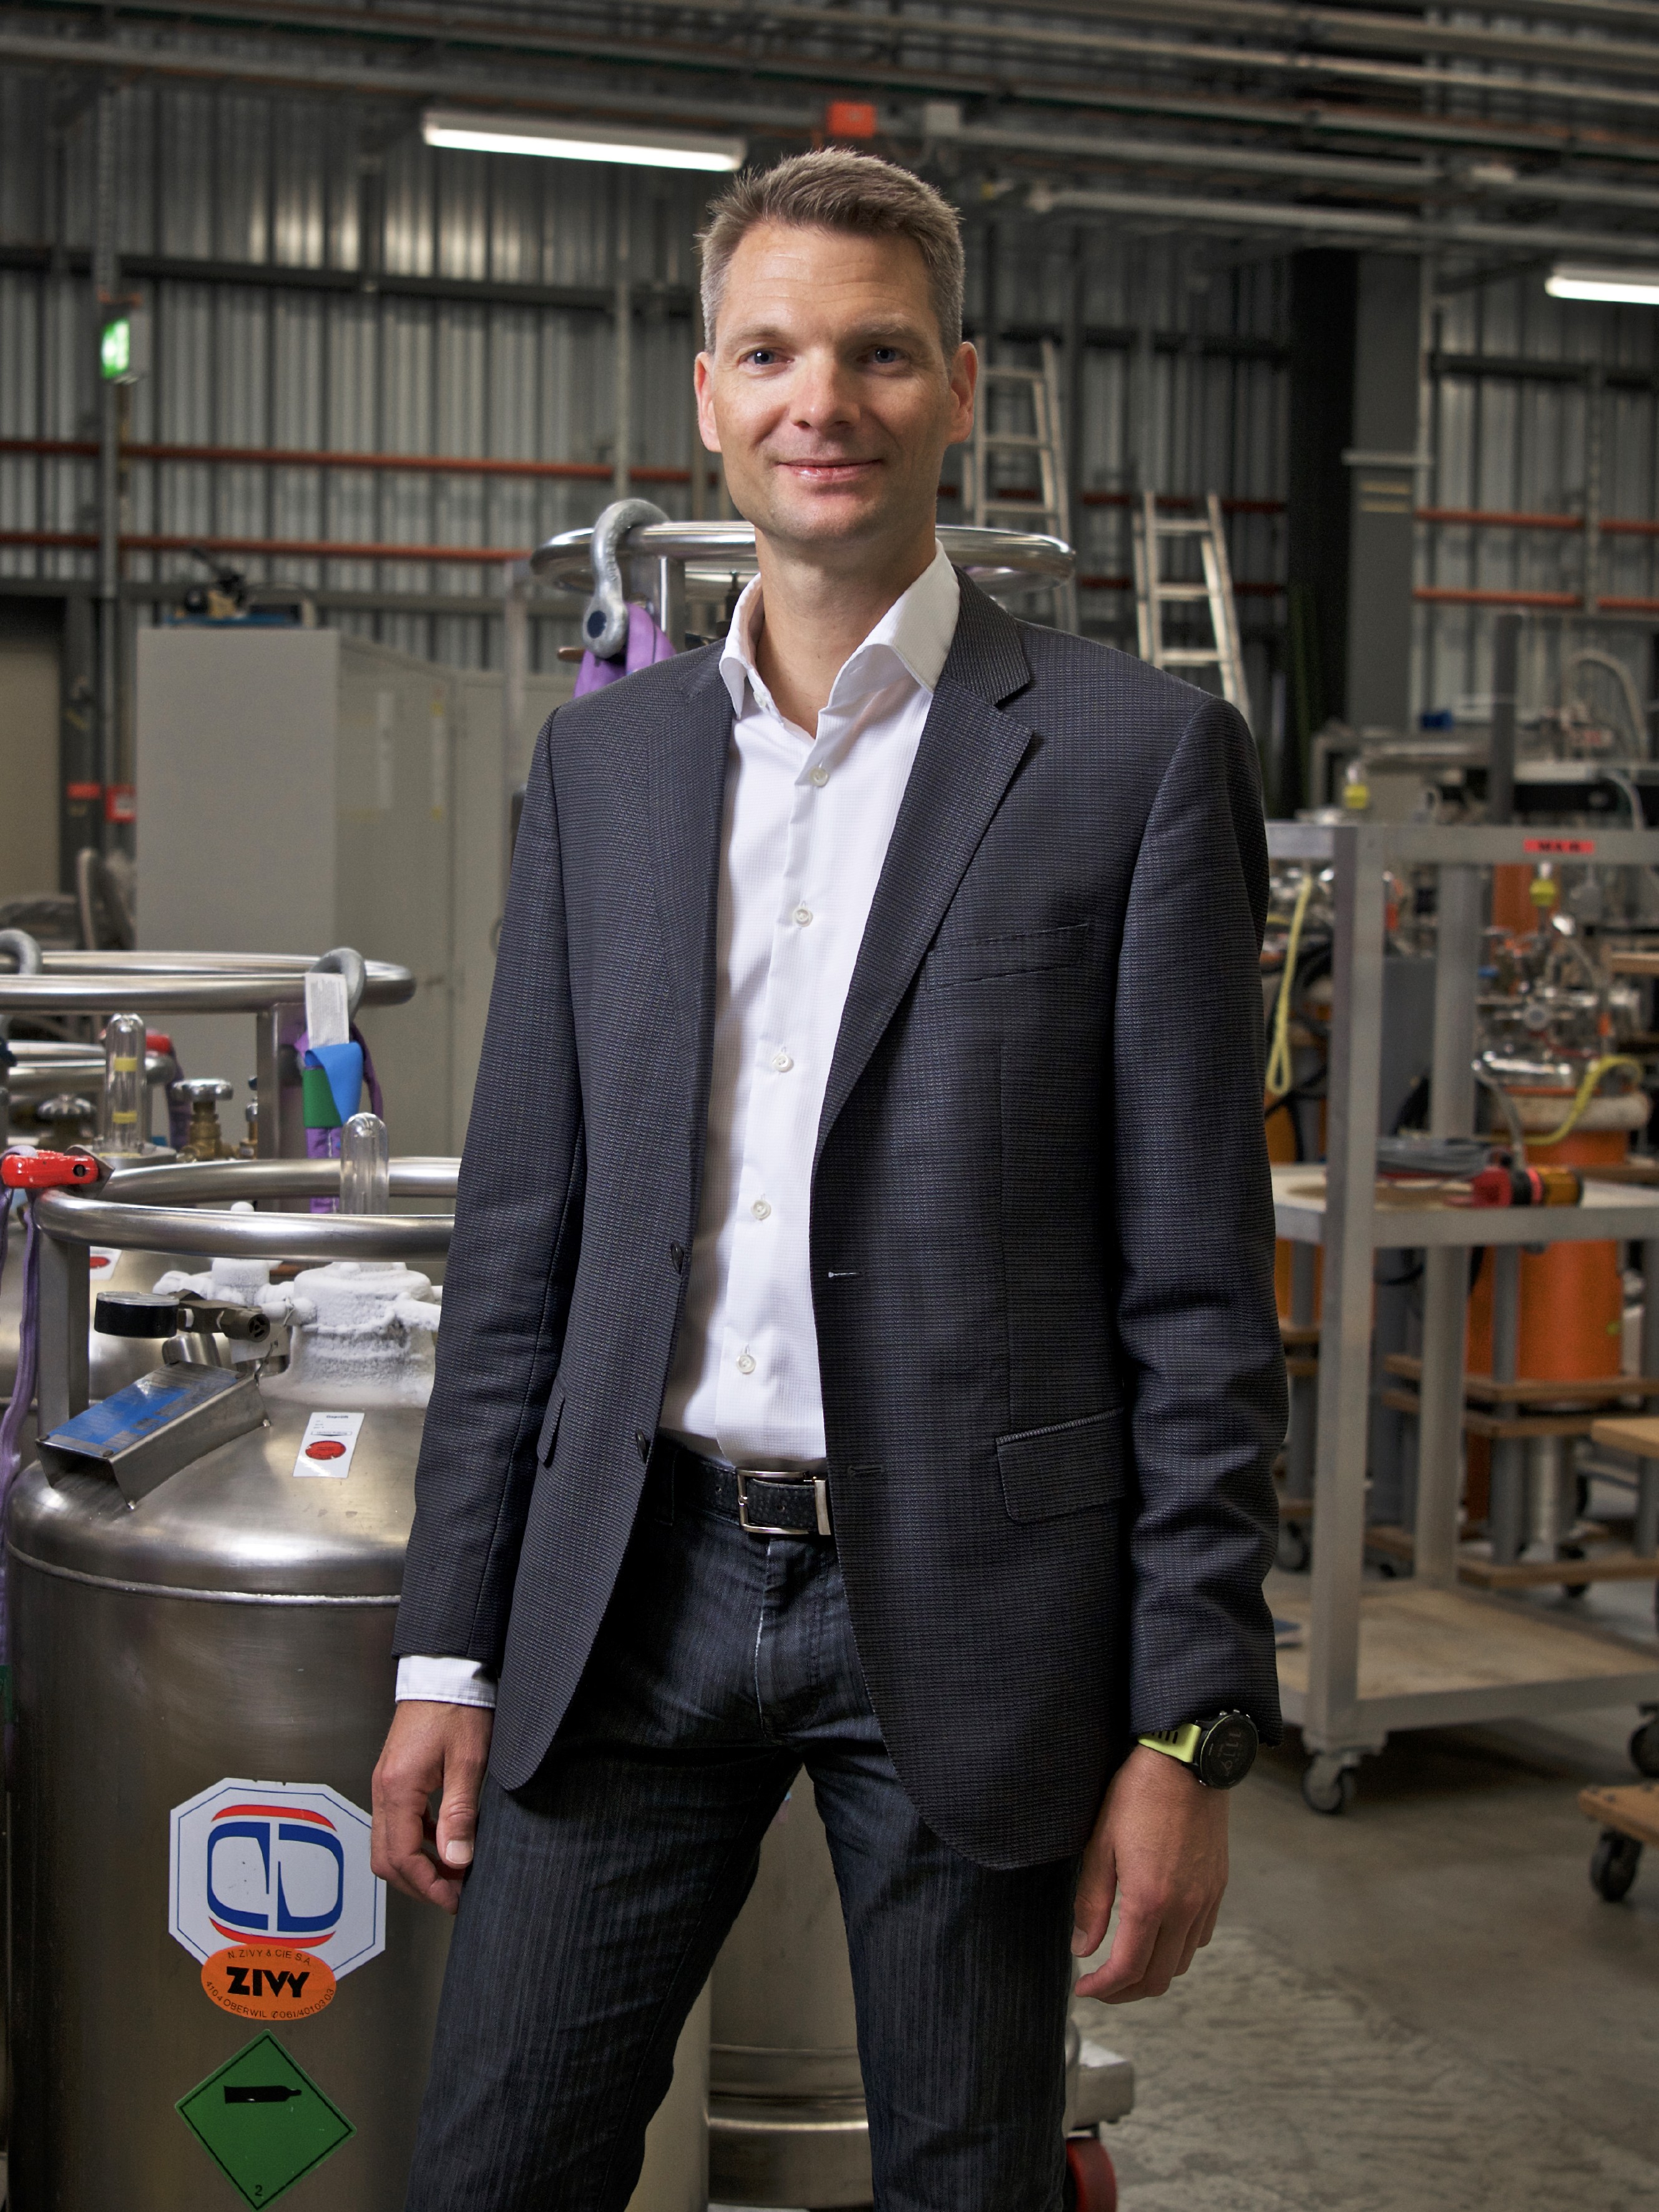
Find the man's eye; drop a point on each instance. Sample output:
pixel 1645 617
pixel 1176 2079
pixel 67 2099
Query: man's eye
pixel 762 356
pixel 884 356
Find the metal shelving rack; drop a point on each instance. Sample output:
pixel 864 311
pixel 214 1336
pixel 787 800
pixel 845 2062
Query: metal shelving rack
pixel 1425 1651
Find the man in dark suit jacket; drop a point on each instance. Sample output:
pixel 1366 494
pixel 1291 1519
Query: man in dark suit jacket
pixel 859 1346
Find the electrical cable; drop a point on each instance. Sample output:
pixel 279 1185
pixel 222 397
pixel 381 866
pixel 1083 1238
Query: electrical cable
pixel 1576 1112
pixel 1279 1073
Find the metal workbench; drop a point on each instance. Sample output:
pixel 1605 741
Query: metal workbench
pixel 1423 1652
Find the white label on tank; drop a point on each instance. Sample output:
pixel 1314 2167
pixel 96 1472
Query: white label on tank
pixel 101 1261
pixel 327 1444
pixel 275 1862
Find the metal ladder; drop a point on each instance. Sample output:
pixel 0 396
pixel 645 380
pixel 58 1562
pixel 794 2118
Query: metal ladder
pixel 986 505
pixel 1154 592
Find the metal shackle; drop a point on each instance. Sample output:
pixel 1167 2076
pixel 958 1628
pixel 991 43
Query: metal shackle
pixel 605 619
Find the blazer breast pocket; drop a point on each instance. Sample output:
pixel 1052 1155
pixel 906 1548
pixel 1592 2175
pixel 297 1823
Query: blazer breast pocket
pixel 1023 952
pixel 1068 1468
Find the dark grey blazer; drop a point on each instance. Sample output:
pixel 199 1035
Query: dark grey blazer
pixel 1041 1234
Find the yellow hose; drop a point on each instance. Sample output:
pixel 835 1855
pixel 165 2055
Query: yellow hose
pixel 1586 1090
pixel 1280 1076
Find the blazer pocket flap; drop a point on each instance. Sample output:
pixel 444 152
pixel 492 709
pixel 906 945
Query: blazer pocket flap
pixel 1064 1469
pixel 974 959
pixel 549 1435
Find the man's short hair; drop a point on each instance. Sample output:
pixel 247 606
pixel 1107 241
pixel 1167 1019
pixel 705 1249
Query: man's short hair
pixel 835 189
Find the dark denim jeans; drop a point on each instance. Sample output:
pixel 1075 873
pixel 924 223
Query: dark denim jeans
pixel 602 1892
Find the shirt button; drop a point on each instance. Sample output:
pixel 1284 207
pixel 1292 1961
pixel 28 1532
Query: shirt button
pixel 761 1208
pixel 746 1363
pixel 803 915
pixel 782 1062
pixel 820 776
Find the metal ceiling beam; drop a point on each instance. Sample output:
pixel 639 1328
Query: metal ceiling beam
pixel 287 17
pixel 1352 225
pixel 1397 179
pixel 1297 34
pixel 1308 59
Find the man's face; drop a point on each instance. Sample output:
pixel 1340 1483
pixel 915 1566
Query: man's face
pixel 827 392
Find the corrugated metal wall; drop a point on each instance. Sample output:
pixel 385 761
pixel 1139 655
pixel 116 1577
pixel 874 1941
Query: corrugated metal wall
pixel 265 183
pixel 1564 417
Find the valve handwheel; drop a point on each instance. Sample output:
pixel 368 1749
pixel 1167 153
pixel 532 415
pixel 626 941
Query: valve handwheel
pixel 1091 2179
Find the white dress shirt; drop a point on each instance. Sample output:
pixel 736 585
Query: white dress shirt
pixel 807 825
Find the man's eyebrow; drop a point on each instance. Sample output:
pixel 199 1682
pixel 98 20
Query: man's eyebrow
pixel 912 335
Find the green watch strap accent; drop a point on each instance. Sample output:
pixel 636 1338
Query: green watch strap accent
pixel 1177 1743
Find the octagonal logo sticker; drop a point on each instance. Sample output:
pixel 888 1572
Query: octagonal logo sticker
pixel 275 1862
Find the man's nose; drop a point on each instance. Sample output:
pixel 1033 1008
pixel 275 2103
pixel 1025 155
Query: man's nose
pixel 823 397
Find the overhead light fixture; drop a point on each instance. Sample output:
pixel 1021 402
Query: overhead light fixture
pixel 481 133
pixel 1576 280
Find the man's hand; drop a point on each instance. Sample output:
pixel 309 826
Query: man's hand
pixel 429 1747
pixel 1159 1848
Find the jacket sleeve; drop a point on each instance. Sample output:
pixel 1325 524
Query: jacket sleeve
pixel 511 1268
pixel 1198 1320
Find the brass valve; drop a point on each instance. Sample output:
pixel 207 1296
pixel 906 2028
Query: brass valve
pixel 204 1139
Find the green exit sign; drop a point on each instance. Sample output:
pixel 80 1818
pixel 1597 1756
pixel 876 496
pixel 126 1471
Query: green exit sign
pixel 123 347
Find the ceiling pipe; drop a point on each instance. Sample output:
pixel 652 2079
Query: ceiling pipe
pixel 1407 231
pixel 1296 27
pixel 1301 61
pixel 203 62
pixel 1399 178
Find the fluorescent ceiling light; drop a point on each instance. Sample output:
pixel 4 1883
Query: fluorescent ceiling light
pixel 581 142
pixel 1635 288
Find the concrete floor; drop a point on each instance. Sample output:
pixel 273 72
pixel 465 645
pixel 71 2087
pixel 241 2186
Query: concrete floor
pixel 1421 2004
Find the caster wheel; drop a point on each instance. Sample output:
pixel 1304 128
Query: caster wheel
pixel 1644 1748
pixel 1574 1589
pixel 1389 1570
pixel 1294 1549
pixel 1091 2181
pixel 1612 1865
pixel 1328 1793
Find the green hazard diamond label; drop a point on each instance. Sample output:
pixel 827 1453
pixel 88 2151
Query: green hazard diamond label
pixel 263 2120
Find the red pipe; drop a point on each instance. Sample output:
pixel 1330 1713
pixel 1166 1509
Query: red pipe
pixel 1455 595
pixel 278 457
pixel 1494 518
pixel 291 549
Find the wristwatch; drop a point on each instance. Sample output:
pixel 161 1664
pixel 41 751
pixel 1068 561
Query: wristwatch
pixel 1219 1751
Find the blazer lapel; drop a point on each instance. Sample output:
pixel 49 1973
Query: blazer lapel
pixel 688 753
pixel 969 751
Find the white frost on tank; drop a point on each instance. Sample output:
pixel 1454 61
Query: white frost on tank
pixel 362 1337
pixel 360 1333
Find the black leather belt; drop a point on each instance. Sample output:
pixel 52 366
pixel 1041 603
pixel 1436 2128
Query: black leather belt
pixel 766 1501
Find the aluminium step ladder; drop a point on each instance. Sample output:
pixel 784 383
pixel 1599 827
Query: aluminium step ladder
pixel 1154 591
pixel 985 500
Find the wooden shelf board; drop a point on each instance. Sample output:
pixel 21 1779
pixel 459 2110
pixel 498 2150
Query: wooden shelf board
pixel 1608 1389
pixel 1631 1808
pixel 1418 1641
pixel 1476 1424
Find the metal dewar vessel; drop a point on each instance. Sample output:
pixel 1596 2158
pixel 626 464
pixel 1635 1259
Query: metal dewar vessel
pixel 200 1628
pixel 202 1677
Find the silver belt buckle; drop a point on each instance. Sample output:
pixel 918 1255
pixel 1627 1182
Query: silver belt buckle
pixel 820 1494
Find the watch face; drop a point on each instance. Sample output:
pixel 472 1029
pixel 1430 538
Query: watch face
pixel 1227 1751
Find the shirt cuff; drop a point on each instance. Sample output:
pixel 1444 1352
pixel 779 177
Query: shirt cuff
pixel 445 1681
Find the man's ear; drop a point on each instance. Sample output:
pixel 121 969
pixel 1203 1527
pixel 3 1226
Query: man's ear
pixel 703 379
pixel 964 383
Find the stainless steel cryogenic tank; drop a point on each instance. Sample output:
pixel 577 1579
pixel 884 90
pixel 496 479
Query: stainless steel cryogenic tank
pixel 206 1973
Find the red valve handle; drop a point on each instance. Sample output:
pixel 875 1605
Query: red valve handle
pixel 47 1170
